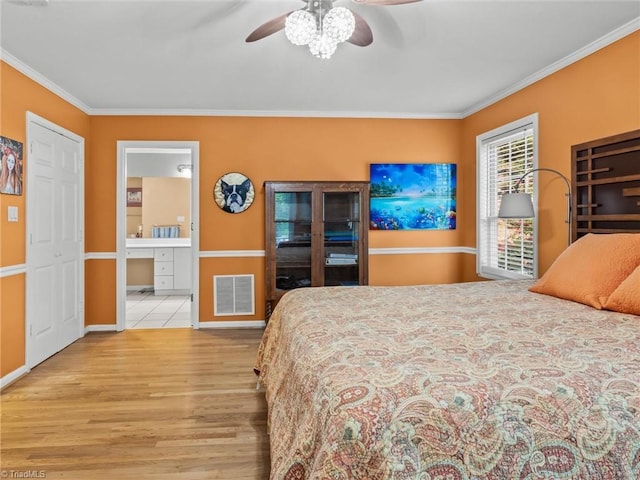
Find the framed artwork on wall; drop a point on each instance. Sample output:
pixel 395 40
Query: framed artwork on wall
pixel 413 196
pixel 233 192
pixel 11 166
pixel 134 197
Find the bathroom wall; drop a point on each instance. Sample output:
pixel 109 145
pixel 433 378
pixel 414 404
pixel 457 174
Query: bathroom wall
pixel 166 201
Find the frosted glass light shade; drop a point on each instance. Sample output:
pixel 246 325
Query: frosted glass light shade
pixel 516 205
pixel 322 46
pixel 300 27
pixel 339 24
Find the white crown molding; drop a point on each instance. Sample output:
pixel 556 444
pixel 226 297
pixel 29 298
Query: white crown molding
pixel 100 256
pixel 42 80
pixel 594 46
pixel 604 41
pixel 275 113
pixel 13 270
pixel 421 250
pixel 237 324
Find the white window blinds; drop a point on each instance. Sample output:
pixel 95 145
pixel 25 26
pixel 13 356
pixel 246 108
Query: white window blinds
pixel 506 247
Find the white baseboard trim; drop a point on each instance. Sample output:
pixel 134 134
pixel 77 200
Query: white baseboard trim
pixel 133 288
pixel 100 328
pixel 236 324
pixel 9 378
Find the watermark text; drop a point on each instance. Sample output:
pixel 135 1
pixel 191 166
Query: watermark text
pixel 23 474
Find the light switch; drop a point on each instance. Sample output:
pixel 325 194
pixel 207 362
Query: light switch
pixel 12 213
pixel 180 218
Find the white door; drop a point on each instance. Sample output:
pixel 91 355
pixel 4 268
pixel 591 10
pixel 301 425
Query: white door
pixel 54 246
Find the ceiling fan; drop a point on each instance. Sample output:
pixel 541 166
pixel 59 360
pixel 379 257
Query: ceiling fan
pixel 322 26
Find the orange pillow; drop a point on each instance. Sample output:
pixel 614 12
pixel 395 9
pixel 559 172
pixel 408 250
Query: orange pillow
pixel 591 268
pixel 626 298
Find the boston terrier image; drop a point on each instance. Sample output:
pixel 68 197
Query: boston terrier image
pixel 235 196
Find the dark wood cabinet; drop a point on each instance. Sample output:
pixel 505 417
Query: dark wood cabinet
pixel 316 235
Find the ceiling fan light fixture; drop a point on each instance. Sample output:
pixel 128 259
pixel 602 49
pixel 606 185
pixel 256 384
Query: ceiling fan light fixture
pixel 339 24
pixel 300 27
pixel 321 26
pixel 323 46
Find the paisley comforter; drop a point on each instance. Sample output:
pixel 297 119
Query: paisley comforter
pixel 465 381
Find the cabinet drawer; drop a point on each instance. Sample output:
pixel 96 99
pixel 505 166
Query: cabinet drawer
pixel 139 252
pixel 182 268
pixel 163 268
pixel 163 254
pixel 163 282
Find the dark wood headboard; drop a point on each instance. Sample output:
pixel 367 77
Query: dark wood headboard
pixel 605 181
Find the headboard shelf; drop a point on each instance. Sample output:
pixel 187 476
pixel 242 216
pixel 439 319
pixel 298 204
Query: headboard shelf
pixel 610 218
pixel 608 153
pixel 597 170
pixel 605 177
pixel 602 181
pixel 606 230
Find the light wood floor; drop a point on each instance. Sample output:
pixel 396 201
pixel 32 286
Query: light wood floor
pixel 176 404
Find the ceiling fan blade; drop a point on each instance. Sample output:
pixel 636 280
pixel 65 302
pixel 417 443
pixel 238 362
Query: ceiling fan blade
pixel 384 2
pixel 362 35
pixel 266 29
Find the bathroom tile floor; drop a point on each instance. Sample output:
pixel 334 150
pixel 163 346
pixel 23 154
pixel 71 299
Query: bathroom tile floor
pixel 146 310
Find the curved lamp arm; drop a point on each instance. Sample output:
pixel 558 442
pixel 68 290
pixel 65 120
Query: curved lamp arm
pixel 509 198
pixel 566 180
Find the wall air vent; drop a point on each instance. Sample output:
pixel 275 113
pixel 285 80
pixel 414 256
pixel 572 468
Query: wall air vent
pixel 233 295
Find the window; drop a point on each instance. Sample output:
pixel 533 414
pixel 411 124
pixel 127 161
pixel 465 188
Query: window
pixel 506 248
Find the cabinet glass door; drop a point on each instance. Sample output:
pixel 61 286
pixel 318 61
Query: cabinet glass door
pixel 341 224
pixel 293 239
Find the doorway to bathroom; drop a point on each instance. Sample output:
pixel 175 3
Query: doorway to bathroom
pixel 157 238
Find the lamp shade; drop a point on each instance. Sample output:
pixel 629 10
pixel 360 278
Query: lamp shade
pixel 516 205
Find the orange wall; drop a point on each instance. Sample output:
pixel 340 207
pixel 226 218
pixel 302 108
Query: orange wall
pixel 412 269
pixel 593 98
pixel 19 95
pixel 272 149
pixel 12 332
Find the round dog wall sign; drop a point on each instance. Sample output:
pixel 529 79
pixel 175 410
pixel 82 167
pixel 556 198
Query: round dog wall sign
pixel 233 192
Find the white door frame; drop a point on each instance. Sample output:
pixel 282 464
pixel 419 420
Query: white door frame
pixel 33 119
pixel 121 225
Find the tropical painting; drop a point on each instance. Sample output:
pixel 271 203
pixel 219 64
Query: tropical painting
pixel 413 196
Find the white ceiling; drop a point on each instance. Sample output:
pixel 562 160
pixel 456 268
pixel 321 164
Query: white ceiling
pixel 157 162
pixel 432 59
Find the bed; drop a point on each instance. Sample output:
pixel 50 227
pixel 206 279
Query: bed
pixel 486 380
pixel 508 384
